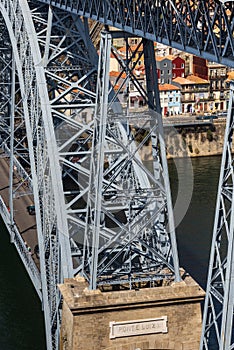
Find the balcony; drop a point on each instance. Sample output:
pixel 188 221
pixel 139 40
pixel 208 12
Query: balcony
pixel 194 89
pixel 194 99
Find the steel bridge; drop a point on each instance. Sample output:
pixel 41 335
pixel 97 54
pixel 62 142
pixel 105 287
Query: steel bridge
pixel 100 212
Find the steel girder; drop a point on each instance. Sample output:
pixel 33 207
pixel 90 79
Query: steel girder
pixel 200 27
pixel 218 332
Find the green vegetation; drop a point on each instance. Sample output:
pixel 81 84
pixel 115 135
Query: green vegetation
pixel 190 147
pixel 209 135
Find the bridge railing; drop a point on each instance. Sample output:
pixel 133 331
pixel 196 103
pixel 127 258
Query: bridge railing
pixel 23 252
pixel 20 170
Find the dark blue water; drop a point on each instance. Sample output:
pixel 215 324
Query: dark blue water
pixel 194 233
pixel 21 318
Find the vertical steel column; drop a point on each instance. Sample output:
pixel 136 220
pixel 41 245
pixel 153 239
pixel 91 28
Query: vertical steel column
pixel 217 331
pixel 99 135
pixel 154 104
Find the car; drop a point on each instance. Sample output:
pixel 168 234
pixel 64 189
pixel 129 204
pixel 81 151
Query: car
pixel 207 117
pixel 222 114
pixel 36 251
pixel 31 209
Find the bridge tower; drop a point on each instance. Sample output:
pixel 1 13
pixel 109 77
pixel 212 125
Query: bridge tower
pixel 129 241
pixel 100 211
pixel 129 237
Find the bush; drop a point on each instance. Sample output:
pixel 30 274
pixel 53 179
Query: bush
pixel 190 147
pixel 209 135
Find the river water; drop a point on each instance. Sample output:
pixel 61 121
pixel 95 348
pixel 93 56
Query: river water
pixel 21 318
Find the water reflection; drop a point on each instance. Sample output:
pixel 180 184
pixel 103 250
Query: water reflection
pixel 195 231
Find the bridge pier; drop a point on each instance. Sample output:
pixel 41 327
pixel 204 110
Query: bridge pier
pixel 165 317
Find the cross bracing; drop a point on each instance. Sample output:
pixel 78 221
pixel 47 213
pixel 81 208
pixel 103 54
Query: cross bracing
pixel 200 27
pixel 49 113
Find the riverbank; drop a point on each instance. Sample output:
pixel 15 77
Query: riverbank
pixel 191 141
pixel 195 141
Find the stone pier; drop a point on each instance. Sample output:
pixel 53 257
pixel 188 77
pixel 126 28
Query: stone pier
pixel 166 317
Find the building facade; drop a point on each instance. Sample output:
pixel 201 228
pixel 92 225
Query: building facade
pixel 194 94
pixel 178 67
pixel 170 98
pixel 164 66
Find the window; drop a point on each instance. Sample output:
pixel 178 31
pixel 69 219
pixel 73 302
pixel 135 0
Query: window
pixel 165 64
pixel 133 41
pixel 162 72
pixel 170 99
pixel 169 71
pixel 162 81
pixel 222 72
pixel 182 65
pixel 173 75
pixel 173 66
pixel 182 75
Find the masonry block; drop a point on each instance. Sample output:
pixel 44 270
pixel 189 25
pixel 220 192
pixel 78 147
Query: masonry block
pixel 166 317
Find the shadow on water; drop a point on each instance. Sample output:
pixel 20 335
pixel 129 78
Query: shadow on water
pixel 194 233
pixel 21 318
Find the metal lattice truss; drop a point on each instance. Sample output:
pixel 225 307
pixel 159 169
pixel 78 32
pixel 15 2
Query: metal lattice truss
pixel 126 241
pixel 203 28
pixel 51 122
pixel 219 303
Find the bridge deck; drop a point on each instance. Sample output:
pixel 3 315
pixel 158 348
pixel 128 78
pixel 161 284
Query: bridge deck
pixel 25 222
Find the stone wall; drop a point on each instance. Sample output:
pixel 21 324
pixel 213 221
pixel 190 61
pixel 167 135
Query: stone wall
pixel 198 141
pixel 171 313
pixel 202 140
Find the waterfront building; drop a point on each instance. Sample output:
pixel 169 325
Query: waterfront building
pixel 194 94
pixel 170 67
pixel 217 76
pixel 170 98
pixel 164 66
pixel 195 65
pixel 178 67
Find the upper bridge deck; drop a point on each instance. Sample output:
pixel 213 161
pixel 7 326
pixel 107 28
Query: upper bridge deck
pixel 201 27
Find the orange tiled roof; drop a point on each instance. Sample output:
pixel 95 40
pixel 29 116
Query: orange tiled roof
pixel 183 81
pixel 197 79
pixel 160 58
pixel 122 49
pixel 168 87
pixel 230 76
pixel 170 57
pixel 191 79
pixel 116 74
pixel 131 47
